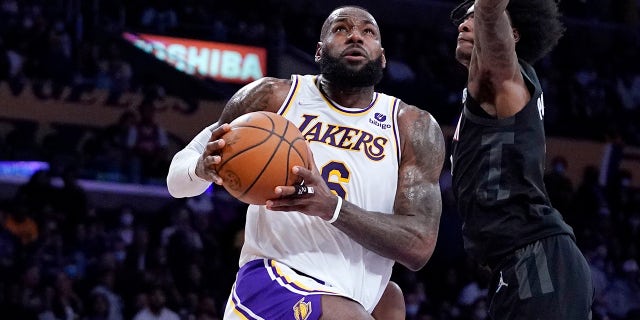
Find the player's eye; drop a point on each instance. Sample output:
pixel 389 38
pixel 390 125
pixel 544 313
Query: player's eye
pixel 340 29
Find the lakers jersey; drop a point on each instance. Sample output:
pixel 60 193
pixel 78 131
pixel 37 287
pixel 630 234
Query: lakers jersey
pixel 357 153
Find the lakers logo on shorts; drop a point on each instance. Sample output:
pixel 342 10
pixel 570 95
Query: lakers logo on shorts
pixel 302 310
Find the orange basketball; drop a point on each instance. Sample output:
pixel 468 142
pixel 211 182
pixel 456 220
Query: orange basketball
pixel 260 150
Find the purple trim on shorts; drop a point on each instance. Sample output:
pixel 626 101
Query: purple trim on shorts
pixel 268 299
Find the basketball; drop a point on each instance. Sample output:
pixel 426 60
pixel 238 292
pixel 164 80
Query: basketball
pixel 260 150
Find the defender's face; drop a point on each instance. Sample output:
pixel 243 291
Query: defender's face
pixel 465 41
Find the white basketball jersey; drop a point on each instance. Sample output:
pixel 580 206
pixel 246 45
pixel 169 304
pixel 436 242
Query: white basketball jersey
pixel 357 152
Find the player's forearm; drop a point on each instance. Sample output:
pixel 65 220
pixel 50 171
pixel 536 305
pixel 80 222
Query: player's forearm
pixel 407 239
pixel 490 7
pixel 181 179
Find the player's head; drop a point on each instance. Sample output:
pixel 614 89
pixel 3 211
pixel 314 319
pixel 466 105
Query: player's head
pixel 536 23
pixel 349 52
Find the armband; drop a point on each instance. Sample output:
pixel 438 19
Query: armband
pixel 336 213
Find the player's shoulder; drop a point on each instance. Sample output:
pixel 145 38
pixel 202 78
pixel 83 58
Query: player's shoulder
pixel 264 94
pixel 408 113
pixel 272 84
pixel 418 124
pixel 268 91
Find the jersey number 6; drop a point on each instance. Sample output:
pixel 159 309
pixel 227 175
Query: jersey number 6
pixel 333 171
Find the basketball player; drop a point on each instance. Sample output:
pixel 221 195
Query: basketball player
pixel 498 156
pixel 326 250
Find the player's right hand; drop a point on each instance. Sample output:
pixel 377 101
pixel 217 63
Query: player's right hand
pixel 210 157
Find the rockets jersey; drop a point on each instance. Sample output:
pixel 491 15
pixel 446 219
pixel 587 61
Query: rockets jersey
pixel 498 168
pixel 357 153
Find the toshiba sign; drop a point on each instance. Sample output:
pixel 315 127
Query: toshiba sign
pixel 220 61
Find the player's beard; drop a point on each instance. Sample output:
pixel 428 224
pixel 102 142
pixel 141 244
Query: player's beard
pixel 340 74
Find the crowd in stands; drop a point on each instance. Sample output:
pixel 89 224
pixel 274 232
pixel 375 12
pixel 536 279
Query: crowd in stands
pixel 63 258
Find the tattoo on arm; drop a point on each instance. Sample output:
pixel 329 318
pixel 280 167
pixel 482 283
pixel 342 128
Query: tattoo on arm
pixel 421 178
pixel 262 95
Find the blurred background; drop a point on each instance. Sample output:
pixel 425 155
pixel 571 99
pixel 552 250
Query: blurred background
pixel 97 95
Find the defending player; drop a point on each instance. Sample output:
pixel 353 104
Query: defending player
pixel 498 157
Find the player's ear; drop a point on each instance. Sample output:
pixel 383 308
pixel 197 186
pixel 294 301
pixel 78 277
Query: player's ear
pixel 384 59
pixel 318 52
pixel 516 34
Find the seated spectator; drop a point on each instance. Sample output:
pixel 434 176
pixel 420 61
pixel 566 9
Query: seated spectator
pixel 107 152
pixel 148 144
pixel 19 223
pixel 156 306
pixel 85 78
pixel 64 302
pixel 105 286
pixel 27 296
pixel 38 193
pixel 72 200
pixel 622 296
pixel 119 74
pixel 161 18
pixel 98 307
pixel 559 186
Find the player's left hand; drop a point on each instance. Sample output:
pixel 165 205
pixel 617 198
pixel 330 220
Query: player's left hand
pixel 312 198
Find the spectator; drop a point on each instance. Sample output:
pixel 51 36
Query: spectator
pixel 126 228
pixel 207 309
pixel 37 193
pixel 622 296
pixel 156 308
pixel 58 60
pixel 20 224
pixel 9 246
pixel 5 63
pixel 118 72
pixel 108 153
pixel 85 77
pixel 161 18
pixel 26 297
pixel 105 286
pixel 15 74
pixel 98 308
pixel 148 144
pixel 71 200
pixel 64 302
pixel 559 186
pixel 589 203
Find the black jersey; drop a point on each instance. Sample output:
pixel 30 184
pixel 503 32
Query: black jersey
pixel 498 168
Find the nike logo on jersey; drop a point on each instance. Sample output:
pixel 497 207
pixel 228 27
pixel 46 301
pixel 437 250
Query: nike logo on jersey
pixel 305 102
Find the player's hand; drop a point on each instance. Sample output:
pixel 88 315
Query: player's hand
pixel 313 198
pixel 211 155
